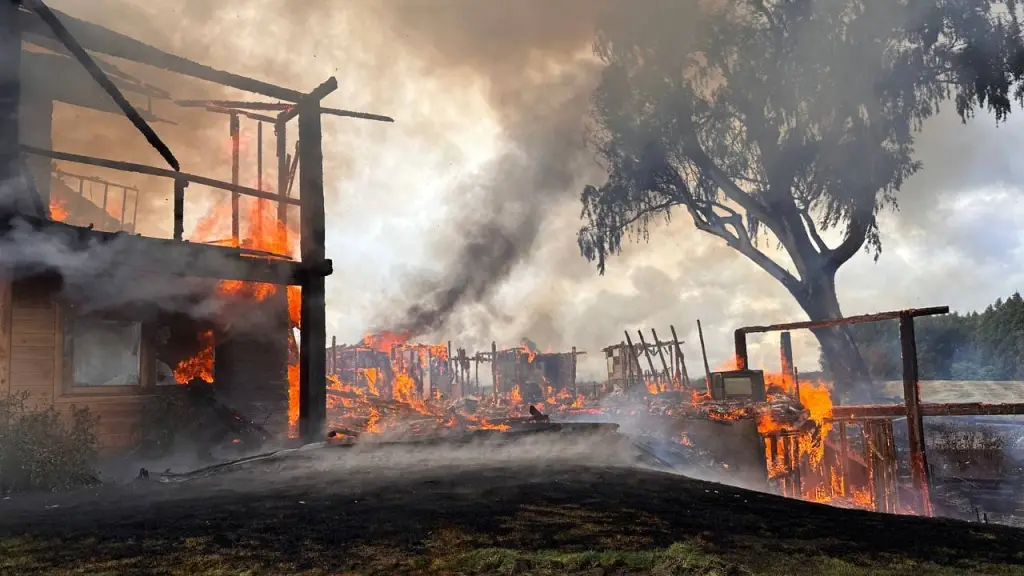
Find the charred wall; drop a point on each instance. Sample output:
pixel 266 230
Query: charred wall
pixel 250 372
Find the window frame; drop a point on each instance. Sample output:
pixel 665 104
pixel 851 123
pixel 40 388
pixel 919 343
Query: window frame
pixel 147 366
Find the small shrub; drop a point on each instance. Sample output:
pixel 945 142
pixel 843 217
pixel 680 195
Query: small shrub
pixel 45 451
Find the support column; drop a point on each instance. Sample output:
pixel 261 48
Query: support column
pixel 740 340
pixel 313 330
pixel 12 194
pixel 281 131
pixel 915 420
pixel 235 145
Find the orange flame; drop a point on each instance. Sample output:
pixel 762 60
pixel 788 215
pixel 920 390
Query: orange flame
pixel 199 366
pixel 58 210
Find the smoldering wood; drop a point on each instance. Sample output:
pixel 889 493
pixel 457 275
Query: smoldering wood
pixel 83 57
pixel 154 171
pixel 634 360
pixel 279 107
pixel 96 38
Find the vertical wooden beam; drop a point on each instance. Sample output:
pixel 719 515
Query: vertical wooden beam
pixel 281 132
pixel 786 354
pixel 661 355
pixel 313 330
pixel 573 373
pixel 647 353
pixel 844 459
pixel 740 341
pixel 11 193
pixel 634 359
pixel 494 368
pixel 680 359
pixel 179 208
pixel 235 152
pixel 915 420
pixel 259 155
pixel 334 355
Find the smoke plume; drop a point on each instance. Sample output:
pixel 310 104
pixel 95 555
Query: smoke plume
pixel 534 58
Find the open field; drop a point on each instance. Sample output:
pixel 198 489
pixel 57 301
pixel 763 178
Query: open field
pixel 541 508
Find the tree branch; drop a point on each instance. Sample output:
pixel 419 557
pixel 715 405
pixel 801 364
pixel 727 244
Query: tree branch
pixel 812 231
pixel 861 221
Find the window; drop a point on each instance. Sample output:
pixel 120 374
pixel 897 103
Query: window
pixel 106 352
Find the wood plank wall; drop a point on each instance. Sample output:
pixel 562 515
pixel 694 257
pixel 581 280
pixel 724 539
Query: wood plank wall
pixel 37 367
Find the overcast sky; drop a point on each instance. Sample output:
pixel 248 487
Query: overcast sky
pixel 398 199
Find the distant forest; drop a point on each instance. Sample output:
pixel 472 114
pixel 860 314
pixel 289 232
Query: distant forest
pixel 976 346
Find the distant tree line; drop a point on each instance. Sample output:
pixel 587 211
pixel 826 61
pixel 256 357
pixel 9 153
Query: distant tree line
pixel 976 346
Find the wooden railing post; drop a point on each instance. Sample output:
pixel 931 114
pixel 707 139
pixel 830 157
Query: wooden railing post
pixel 179 208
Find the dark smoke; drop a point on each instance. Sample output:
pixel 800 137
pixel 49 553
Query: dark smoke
pixel 534 57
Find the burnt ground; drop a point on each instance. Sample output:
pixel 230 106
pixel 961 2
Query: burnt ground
pixel 545 508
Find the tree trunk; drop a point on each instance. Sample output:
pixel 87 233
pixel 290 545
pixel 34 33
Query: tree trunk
pixel 842 356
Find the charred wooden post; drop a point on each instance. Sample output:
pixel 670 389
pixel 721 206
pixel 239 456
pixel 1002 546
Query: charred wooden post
pixel 179 208
pixel 10 104
pixel 647 353
pixel 494 368
pixel 634 359
pixel 572 368
pixel 704 356
pixel 786 353
pixel 915 420
pixel 334 355
pixel 844 458
pixel 680 359
pixel 661 355
pixel 740 340
pixel 313 329
pixel 281 133
pixel 235 168
pixel 259 155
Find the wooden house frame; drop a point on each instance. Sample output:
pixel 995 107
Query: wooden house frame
pixel 34 346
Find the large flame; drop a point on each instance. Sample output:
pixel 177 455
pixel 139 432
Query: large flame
pixel 199 366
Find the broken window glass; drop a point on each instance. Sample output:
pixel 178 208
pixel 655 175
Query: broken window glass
pixel 106 352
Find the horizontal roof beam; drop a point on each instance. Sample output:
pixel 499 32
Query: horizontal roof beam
pixel 160 172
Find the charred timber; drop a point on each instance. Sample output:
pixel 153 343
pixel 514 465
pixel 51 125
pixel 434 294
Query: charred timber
pixel 154 171
pixel 167 257
pixel 833 322
pixel 279 107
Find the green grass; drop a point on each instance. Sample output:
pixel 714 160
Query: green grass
pixel 455 551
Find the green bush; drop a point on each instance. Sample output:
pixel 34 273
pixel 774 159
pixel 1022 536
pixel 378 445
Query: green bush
pixel 43 451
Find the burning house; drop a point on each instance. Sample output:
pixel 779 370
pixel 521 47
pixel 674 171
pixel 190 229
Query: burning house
pixel 531 374
pixel 93 314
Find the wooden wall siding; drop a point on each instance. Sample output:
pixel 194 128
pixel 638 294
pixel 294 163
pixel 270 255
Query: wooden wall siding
pixel 33 366
pixel 119 417
pixel 5 334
